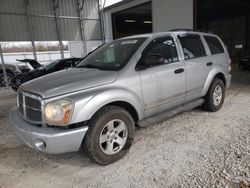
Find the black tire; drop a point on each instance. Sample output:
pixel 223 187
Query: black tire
pixel 96 125
pixel 2 79
pixel 209 103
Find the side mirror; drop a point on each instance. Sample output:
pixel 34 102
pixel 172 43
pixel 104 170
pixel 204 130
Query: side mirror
pixel 154 60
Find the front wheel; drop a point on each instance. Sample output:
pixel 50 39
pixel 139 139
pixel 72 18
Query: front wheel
pixel 215 96
pixel 2 79
pixel 110 135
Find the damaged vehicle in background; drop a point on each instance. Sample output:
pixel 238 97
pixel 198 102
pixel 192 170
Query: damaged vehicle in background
pixel 41 70
pixel 12 70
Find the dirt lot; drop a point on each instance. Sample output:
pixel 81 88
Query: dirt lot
pixel 193 149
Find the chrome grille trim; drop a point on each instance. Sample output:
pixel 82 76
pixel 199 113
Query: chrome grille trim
pixel 23 107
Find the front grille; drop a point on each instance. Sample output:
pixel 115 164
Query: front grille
pixel 33 115
pixel 30 106
pixel 33 103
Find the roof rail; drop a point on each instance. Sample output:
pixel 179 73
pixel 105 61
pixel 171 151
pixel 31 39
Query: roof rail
pixel 181 30
pixel 195 30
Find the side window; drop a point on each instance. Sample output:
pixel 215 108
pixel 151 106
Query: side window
pixel 165 47
pixel 68 63
pixel 214 45
pixel 65 64
pixel 192 46
pixel 73 63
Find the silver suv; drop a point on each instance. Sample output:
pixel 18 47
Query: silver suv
pixel 133 81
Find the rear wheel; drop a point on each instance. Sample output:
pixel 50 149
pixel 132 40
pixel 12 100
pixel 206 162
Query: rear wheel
pixel 215 96
pixel 110 135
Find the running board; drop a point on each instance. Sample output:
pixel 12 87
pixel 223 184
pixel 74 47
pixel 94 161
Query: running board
pixel 170 113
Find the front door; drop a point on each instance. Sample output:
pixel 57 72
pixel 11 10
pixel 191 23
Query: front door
pixel 163 86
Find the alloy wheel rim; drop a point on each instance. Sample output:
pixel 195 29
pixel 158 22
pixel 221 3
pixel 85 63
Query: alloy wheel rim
pixel 113 137
pixel 217 95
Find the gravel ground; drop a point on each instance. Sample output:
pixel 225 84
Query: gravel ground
pixel 193 149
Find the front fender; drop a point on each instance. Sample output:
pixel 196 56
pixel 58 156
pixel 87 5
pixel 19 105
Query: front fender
pixel 216 70
pixel 87 107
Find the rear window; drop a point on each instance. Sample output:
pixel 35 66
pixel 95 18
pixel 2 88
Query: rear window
pixel 214 45
pixel 192 46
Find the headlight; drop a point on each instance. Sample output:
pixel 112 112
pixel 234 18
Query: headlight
pixel 58 112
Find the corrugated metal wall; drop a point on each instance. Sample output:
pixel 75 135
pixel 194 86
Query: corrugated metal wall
pixel 11 24
pixel 12 6
pixel 69 8
pixel 15 27
pixel 15 32
pixel 92 26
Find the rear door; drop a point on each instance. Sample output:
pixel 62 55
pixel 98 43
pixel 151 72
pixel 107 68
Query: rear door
pixel 197 63
pixel 163 86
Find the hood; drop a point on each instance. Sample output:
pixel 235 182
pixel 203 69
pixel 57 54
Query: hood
pixel 69 80
pixel 32 62
pixel 9 66
pixel 29 75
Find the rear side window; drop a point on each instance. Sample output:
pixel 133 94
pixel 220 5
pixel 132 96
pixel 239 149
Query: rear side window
pixel 214 45
pixel 192 46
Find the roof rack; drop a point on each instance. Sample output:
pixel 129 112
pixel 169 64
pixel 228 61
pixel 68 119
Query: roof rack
pixel 195 30
pixel 181 30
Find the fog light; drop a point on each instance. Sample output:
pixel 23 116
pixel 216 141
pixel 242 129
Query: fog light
pixel 40 144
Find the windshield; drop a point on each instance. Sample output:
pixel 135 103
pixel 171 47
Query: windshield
pixel 51 65
pixel 112 56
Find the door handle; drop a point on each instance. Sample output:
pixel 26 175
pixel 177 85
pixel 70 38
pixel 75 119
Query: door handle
pixel 210 64
pixel 178 71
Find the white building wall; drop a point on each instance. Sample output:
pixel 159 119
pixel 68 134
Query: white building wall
pixel 76 47
pixel 172 14
pixel 166 15
pixel 108 20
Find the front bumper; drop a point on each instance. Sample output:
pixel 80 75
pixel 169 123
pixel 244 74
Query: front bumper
pixel 46 139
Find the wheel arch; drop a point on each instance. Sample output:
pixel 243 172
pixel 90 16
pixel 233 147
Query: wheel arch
pixel 222 77
pixel 117 97
pixel 213 74
pixel 128 107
